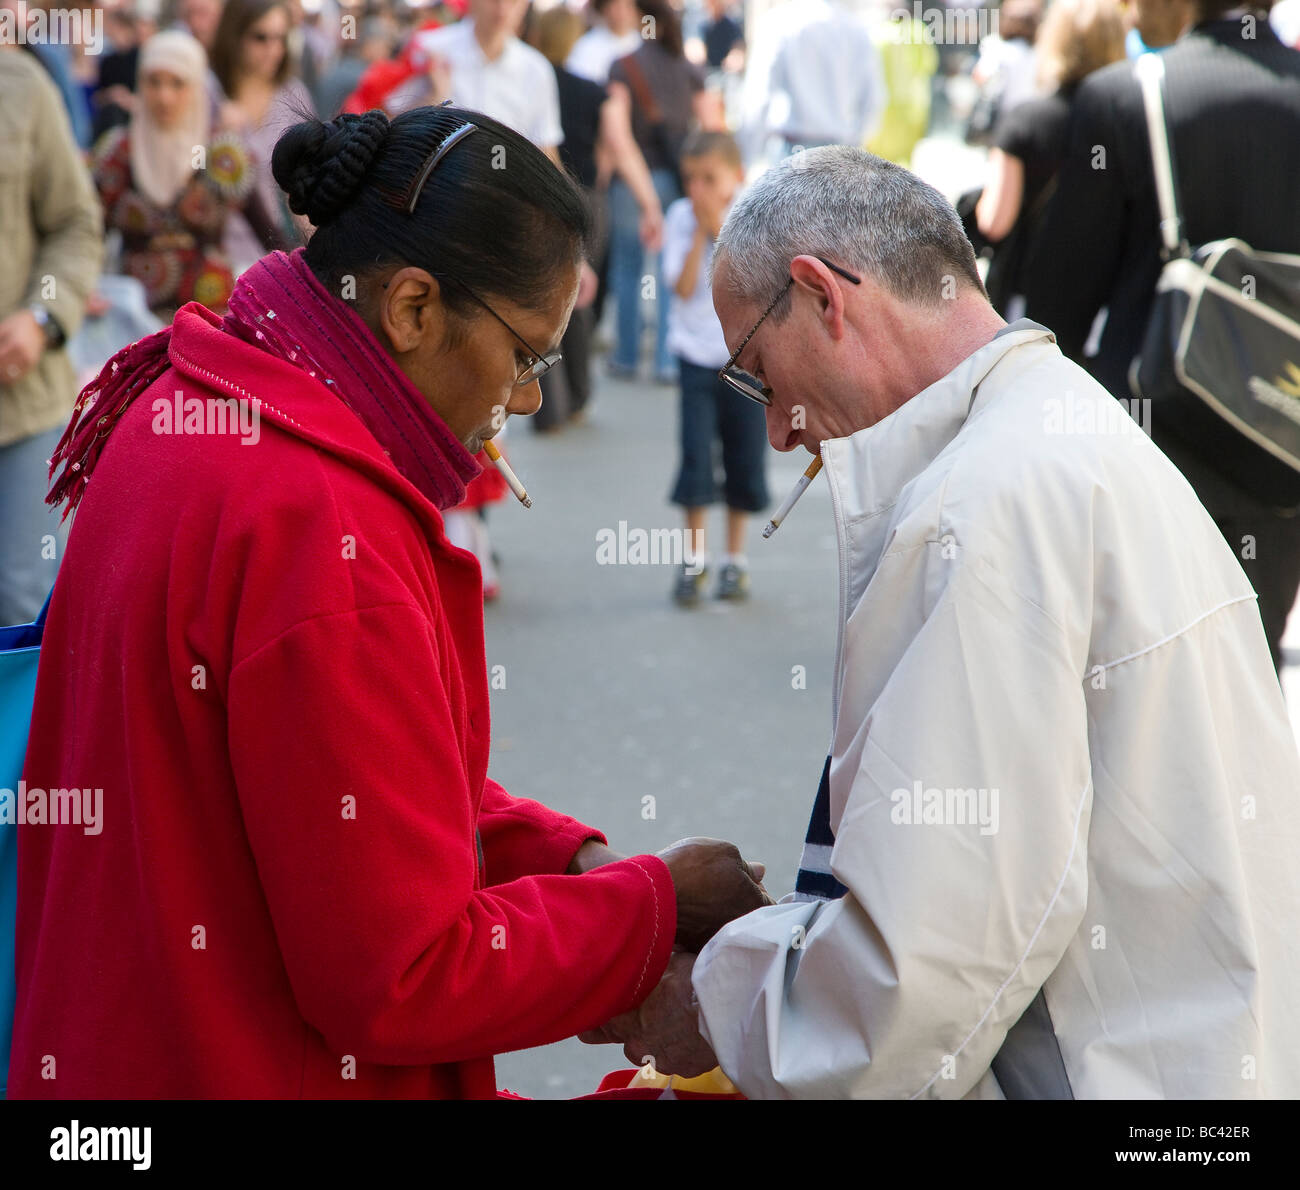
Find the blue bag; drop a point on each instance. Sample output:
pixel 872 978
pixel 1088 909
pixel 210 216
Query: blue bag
pixel 20 649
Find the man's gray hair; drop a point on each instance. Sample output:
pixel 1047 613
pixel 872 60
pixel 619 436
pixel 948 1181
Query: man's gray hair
pixel 854 209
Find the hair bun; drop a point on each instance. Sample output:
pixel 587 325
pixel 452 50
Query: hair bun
pixel 321 166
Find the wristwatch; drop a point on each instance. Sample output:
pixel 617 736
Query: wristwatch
pixel 54 336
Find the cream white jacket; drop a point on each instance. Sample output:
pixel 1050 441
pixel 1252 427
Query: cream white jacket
pixel 1063 787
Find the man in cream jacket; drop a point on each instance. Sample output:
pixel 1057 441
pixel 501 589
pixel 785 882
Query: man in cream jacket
pixel 1056 850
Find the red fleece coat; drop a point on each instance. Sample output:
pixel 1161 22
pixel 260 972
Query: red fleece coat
pixel 272 663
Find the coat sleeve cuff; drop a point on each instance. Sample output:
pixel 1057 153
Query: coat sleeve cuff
pixel 568 839
pixel 522 837
pixel 663 918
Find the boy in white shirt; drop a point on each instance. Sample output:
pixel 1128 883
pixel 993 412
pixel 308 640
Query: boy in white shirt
pixel 711 412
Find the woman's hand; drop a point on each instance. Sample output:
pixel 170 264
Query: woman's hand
pixel 652 229
pixel 714 885
pixel 592 854
pixel 664 1029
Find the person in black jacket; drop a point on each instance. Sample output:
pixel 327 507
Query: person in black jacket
pixel 595 126
pixel 1076 38
pixel 1232 103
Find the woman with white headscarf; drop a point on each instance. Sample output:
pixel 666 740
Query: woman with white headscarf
pixel 169 189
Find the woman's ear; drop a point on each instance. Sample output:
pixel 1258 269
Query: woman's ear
pixel 410 310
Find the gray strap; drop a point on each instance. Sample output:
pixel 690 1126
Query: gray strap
pixel 1029 1064
pixel 1150 71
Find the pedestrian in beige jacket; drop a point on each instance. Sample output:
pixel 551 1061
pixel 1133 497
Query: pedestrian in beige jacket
pixel 51 246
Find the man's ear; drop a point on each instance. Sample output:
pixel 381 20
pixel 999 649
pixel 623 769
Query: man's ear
pixel 409 310
pixel 815 278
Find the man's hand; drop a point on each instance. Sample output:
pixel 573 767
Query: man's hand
pixel 714 885
pixel 665 1028
pixel 592 854
pixel 22 342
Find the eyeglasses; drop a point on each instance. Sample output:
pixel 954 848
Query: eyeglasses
pixel 539 365
pixel 743 382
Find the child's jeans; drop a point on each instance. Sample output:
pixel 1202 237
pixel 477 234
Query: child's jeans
pixel 713 412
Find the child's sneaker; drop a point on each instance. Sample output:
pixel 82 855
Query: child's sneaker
pixel 689 585
pixel 733 582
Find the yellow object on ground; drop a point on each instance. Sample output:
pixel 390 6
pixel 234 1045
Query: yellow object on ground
pixel 714 1082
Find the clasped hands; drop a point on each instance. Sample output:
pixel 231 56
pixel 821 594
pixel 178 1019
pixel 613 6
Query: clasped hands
pixel 714 885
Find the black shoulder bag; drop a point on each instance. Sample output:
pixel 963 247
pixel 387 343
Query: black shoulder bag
pixel 1221 358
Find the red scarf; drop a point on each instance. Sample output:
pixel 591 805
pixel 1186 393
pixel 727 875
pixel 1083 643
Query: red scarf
pixel 279 306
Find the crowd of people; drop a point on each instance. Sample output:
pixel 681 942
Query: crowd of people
pixel 665 191
pixel 176 115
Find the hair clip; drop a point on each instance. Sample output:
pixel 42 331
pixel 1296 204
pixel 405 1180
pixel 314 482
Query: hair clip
pixel 432 161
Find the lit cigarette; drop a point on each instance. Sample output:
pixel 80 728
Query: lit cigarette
pixel 802 486
pixel 490 449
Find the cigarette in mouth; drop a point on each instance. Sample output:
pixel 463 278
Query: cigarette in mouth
pixel 490 449
pixel 799 488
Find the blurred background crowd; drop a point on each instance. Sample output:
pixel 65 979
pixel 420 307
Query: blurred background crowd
pixel 135 163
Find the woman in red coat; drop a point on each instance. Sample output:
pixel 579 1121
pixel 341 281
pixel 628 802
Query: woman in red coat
pixel 266 664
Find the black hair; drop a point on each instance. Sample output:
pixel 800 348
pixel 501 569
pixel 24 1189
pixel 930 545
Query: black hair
pixel 495 213
pixel 666 26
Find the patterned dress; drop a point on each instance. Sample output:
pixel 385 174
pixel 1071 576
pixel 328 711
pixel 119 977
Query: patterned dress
pixel 175 251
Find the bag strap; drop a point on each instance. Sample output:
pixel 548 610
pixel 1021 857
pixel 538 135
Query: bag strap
pixel 1150 71
pixel 641 90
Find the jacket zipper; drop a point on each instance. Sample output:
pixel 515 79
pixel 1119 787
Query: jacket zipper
pixel 841 532
pixel 841 535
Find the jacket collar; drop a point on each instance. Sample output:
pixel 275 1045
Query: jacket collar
pixel 868 470
pixel 290 400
